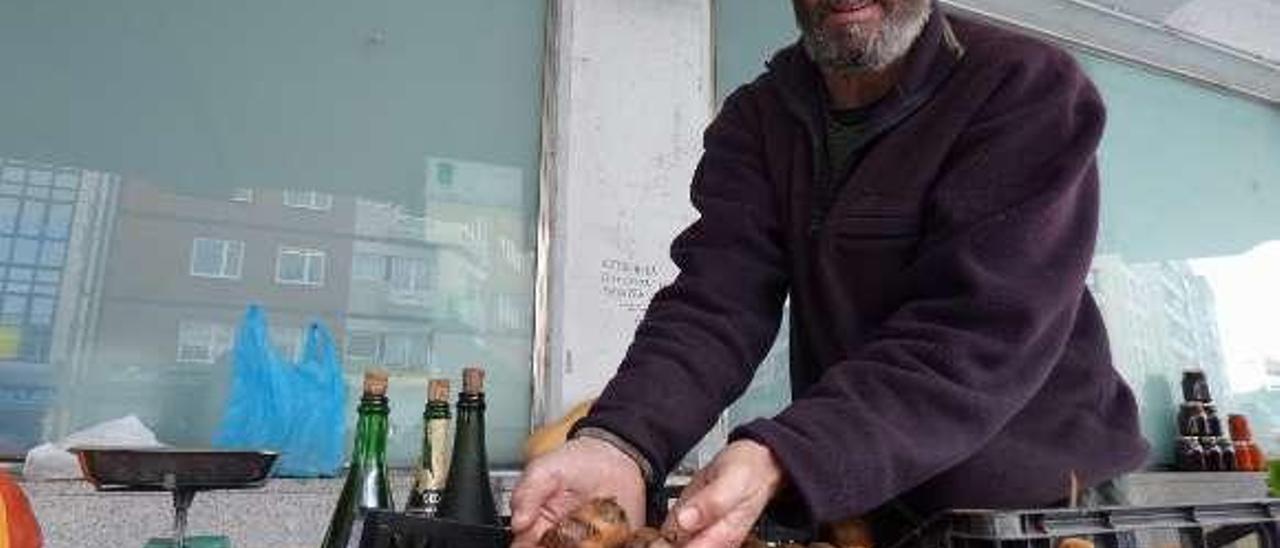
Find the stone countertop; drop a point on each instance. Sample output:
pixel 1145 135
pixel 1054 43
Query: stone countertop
pixel 283 513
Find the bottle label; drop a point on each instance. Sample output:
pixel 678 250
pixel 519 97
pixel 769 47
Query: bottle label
pixel 433 480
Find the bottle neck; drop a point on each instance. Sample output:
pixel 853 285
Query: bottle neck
pixel 371 432
pixel 436 410
pixel 470 402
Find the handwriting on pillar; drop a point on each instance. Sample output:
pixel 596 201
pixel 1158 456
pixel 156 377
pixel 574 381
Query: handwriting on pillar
pixel 628 284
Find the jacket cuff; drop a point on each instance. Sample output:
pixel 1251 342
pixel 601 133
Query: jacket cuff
pixel 794 505
pixel 646 469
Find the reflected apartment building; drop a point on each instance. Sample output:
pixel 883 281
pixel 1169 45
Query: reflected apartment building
pixel 122 296
pixel 49 216
pixel 179 270
pixel 443 285
pixel 1161 319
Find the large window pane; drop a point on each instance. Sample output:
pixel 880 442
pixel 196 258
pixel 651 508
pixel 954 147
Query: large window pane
pixel 31 223
pixel 192 158
pixel 211 258
pixel 59 221
pixel 8 215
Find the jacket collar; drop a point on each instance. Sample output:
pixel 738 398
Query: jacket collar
pixel 930 60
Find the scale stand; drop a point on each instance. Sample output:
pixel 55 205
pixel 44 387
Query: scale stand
pixel 181 472
pixel 182 498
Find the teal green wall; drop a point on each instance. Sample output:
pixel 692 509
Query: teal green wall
pixel 246 93
pixel 1188 171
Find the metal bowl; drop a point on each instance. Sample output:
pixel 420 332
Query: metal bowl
pixel 167 469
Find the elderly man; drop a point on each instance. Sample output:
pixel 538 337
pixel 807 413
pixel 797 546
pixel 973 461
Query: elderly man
pixel 924 189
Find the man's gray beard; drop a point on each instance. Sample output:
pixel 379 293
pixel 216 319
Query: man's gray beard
pixel 858 52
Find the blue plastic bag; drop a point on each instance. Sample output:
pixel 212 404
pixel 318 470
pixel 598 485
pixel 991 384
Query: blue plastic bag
pixel 295 409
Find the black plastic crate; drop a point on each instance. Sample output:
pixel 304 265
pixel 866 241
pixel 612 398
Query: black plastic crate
pixel 1246 524
pixel 383 529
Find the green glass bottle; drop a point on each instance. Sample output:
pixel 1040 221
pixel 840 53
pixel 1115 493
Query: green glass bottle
pixel 367 487
pixel 468 497
pixel 433 466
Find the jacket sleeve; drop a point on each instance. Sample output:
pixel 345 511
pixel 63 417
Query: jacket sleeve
pixel 992 293
pixel 703 335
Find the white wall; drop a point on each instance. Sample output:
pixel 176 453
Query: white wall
pixel 634 91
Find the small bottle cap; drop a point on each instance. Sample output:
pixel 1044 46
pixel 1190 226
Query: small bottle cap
pixel 438 390
pixel 375 382
pixel 473 380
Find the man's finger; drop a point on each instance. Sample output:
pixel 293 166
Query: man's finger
pixel 531 535
pixel 695 484
pixel 707 505
pixel 721 534
pixel 533 491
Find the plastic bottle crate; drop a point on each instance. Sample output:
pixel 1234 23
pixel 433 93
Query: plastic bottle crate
pixel 383 529
pixel 1245 524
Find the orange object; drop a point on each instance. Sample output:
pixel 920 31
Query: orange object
pixel 850 533
pixel 1238 426
pixel 18 527
pixel 1245 456
pixel 550 437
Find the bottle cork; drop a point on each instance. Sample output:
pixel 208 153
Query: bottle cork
pixel 375 382
pixel 438 390
pixel 473 380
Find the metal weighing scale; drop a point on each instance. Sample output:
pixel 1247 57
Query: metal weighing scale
pixel 182 472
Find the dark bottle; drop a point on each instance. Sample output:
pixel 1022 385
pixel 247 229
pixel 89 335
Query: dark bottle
pixel 366 487
pixel 1192 420
pixel 1213 458
pixel 1190 455
pixel 468 497
pixel 433 466
pixel 1228 455
pixel 1212 421
pixel 1195 387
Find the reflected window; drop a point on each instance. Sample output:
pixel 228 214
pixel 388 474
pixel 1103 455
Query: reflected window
pixel 203 342
pixel 13 174
pixel 409 275
pixel 52 253
pixel 300 266
pixel 8 215
pixel 59 222
pixel 31 222
pixel 242 195
pixel 67 179
pixel 308 199
pixel 362 347
pixel 369 267
pixel 13 309
pixel 212 258
pixel 184 210
pixel 39 177
pixel 41 311
pixel 25 250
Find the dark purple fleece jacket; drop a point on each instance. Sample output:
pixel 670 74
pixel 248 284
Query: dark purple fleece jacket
pixel 945 351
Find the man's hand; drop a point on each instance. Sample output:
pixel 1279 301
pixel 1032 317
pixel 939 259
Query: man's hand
pixel 556 484
pixel 724 500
